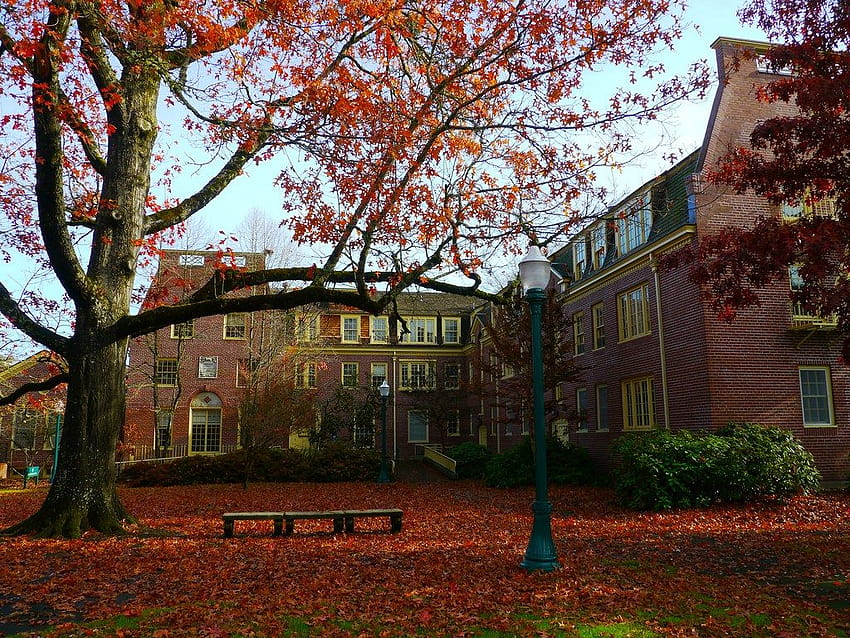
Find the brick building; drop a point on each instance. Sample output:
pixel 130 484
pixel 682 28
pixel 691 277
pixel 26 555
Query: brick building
pixel 186 382
pixel 656 355
pixel 28 427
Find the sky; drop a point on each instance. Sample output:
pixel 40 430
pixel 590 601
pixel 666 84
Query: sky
pixel 684 128
pixel 685 125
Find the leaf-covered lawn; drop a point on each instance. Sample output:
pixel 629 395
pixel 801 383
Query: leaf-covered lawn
pixel 765 570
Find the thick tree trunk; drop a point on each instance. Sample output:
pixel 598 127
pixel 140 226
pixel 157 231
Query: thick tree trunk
pixel 83 495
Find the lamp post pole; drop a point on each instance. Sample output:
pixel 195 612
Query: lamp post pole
pixel 384 474
pixel 540 554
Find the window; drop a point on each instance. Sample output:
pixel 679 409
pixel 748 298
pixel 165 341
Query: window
pixel 244 368
pixel 816 396
pixel 417 375
pixel 453 423
pixel 205 424
pixel 579 258
pixel 166 372
pixel 207 367
pixel 633 226
pixel 163 428
pixel 602 408
pixel 598 318
pixel 350 375
pixel 494 420
pixel 634 313
pixel 808 207
pixel 417 426
pixel 598 243
pixel 307 327
pixel 191 260
pixel 578 333
pixel 451 330
pixel 24 426
pixel 185 330
pixel 765 65
pixel 451 376
pixel 350 329
pixel 305 375
pixel 581 408
pixel 234 325
pixel 638 404
pixel 379 330
pixel 379 373
pixel 421 330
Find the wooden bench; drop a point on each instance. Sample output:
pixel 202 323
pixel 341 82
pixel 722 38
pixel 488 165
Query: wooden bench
pixel 342 519
pixel 230 517
pixel 393 514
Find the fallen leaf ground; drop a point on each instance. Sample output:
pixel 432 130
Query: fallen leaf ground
pixel 453 570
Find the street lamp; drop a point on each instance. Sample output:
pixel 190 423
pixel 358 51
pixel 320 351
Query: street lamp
pixel 534 273
pixel 384 474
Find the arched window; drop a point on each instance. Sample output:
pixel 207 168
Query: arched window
pixel 205 424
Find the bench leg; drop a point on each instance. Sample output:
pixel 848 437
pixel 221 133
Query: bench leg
pixel 278 527
pixel 290 526
pixel 395 522
pixel 228 529
pixel 349 524
pixel 338 525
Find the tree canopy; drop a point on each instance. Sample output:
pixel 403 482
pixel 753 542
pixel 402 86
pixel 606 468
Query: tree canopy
pixel 799 161
pixel 415 139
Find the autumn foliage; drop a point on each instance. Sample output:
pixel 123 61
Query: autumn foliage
pixel 453 570
pixel 798 159
pixel 413 141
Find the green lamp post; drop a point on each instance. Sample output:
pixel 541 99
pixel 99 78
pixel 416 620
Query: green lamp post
pixel 534 273
pixel 384 474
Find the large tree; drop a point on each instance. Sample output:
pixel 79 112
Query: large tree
pixel 800 161
pixel 414 139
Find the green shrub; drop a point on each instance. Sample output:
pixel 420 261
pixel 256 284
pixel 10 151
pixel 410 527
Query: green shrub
pixel 765 461
pixel 566 464
pixel 471 459
pixel 664 470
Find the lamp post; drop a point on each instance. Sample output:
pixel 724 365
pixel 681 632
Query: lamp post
pixel 534 274
pixel 384 474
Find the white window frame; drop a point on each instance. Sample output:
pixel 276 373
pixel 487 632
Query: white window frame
pixel 379 330
pixel 183 330
pixel 420 330
pixel 805 395
pixel 579 258
pixel 454 333
pixel 581 410
pixel 411 372
pixel 345 374
pixel 424 416
pixel 307 327
pixel 160 372
pixel 344 332
pixel 190 260
pixel 456 383
pixel 232 330
pixel 453 423
pixel 305 375
pixel 598 244
pixel 379 377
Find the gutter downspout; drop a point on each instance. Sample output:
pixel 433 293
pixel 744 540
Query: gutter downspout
pixel 395 405
pixel 661 349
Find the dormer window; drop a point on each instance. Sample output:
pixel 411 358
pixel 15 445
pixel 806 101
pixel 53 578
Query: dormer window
pixel 633 226
pixel 190 260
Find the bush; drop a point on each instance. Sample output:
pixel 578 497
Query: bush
pixel 663 470
pixel 337 462
pixel 471 460
pixel 566 464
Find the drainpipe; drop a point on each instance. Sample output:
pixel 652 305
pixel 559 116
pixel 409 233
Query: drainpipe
pixel 661 350
pixel 395 404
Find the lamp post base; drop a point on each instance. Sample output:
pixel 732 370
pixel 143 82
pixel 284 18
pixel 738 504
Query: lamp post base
pixel 540 554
